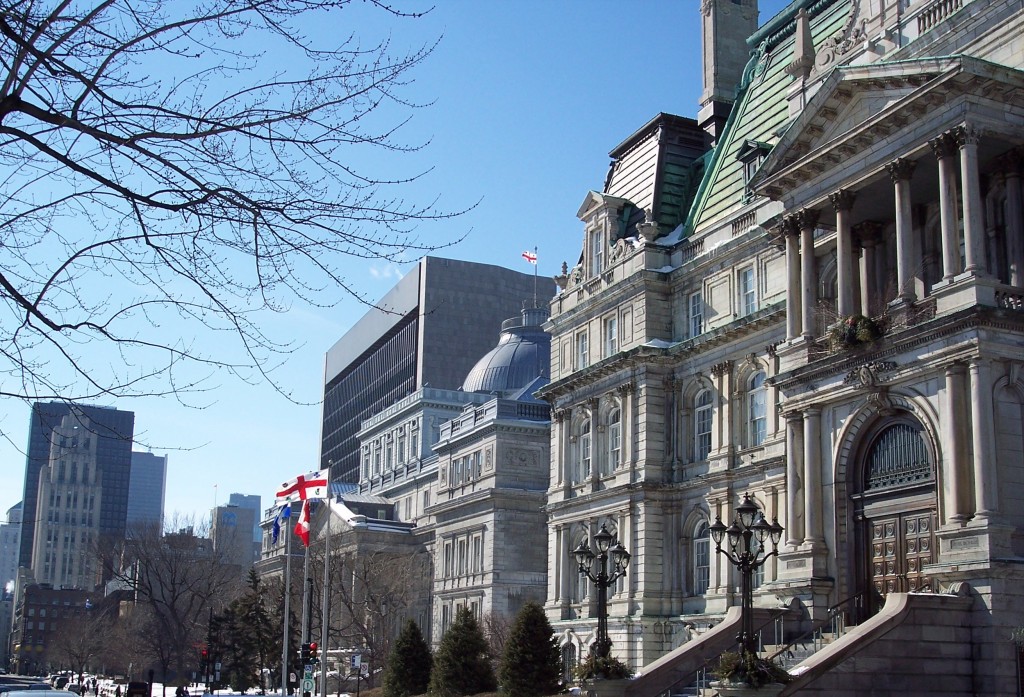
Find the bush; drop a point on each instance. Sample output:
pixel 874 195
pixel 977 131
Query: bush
pixel 531 663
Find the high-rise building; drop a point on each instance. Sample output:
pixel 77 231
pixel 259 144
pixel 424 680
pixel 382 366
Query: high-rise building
pixel 252 502
pixel 231 533
pixel 110 432
pixel 146 489
pixel 429 330
pixel 10 538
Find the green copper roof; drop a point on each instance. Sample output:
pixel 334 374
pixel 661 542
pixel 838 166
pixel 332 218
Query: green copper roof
pixel 761 112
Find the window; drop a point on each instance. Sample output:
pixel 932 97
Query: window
pixel 401 449
pixel 611 336
pixel 596 252
pixel 478 564
pixel 757 409
pixel 584 450
pixel 614 440
pixel 756 578
pixel 582 351
pixel 748 293
pixel 447 559
pixel 702 414
pixel 701 558
pixel 696 311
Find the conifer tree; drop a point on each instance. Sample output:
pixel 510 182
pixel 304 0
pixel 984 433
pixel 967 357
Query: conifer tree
pixel 408 669
pixel 531 663
pixel 462 664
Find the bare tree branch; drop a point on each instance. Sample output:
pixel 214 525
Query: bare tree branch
pixel 171 169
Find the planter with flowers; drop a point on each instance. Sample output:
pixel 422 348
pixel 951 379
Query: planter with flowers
pixel 603 677
pixel 855 331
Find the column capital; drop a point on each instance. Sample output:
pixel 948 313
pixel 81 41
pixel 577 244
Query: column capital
pixel 807 218
pixel 793 416
pixel 868 232
pixel 901 169
pixel 719 369
pixel 1012 162
pixel 842 200
pixel 790 225
pixel 944 146
pixel 967 134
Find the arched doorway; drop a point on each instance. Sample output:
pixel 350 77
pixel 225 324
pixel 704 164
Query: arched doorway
pixel 896 508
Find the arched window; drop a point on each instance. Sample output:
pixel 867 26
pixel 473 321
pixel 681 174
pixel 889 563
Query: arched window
pixel 614 442
pixel 701 558
pixel 757 409
pixel 899 456
pixel 702 414
pixel 568 663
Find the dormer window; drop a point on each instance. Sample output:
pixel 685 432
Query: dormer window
pixel 596 251
pixel 752 154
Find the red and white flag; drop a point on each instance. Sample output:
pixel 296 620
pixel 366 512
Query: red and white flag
pixel 313 485
pixel 302 527
pixel 530 256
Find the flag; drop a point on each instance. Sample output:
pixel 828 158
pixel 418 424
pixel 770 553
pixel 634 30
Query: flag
pixel 284 513
pixel 302 527
pixel 313 485
pixel 530 256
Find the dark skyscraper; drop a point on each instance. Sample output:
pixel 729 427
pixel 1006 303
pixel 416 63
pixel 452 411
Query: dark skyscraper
pixel 146 492
pixel 114 430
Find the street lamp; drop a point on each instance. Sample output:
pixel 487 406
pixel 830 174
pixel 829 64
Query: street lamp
pixel 745 555
pixel 603 580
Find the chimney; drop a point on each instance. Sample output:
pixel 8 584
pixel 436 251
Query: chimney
pixel 726 24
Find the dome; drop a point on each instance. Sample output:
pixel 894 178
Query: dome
pixel 522 355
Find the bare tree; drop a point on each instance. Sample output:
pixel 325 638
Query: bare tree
pixel 80 642
pixel 174 166
pixel 179 581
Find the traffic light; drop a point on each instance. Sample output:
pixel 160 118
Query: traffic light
pixel 314 653
pixel 204 655
pixel 304 654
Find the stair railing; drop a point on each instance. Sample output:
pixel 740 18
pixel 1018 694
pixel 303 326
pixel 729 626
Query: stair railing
pixel 834 620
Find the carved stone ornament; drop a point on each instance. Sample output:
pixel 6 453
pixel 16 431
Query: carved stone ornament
pixel 869 374
pixel 882 402
pixel 721 368
pixel 843 41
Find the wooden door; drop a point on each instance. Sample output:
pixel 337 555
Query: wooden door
pixel 901 546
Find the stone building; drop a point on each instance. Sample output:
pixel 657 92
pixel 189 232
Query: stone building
pixel 829 321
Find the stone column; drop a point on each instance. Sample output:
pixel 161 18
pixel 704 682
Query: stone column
pixel 1014 218
pixel 807 220
pixel 722 426
pixel 982 431
pixel 791 230
pixel 842 201
pixel 563 567
pixel 974 233
pixel 944 148
pixel 868 233
pixel 955 441
pixel 901 171
pixel 814 533
pixel 625 423
pixel 794 478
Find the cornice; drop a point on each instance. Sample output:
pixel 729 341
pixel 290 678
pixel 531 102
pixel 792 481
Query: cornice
pixel 894 345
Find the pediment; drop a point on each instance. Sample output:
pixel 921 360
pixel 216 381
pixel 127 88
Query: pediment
pixel 858 106
pixel 595 200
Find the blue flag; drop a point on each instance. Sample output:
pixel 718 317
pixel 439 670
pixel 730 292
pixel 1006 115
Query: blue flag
pixel 283 514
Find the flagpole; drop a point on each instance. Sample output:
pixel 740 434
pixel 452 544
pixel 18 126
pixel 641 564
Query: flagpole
pixel 535 264
pixel 306 599
pixel 287 612
pixel 324 605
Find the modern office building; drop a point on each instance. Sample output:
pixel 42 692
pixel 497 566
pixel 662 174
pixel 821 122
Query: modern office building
pixel 252 502
pixel 428 330
pixel 109 432
pixel 231 534
pixel 146 489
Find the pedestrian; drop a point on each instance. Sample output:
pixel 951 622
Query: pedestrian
pixel 180 692
pixel 117 692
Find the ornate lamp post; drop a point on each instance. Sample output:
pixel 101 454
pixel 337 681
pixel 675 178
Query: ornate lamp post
pixel 602 579
pixel 747 556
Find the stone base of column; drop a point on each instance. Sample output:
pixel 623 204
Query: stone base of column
pixel 966 290
pixel 794 353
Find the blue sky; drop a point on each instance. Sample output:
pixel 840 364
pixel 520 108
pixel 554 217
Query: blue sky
pixel 527 99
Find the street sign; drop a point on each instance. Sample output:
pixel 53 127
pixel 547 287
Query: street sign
pixel 307 671
pixel 356 660
pixel 307 684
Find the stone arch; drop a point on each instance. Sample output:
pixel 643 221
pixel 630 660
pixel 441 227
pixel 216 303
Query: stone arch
pixel 882 411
